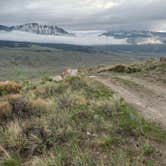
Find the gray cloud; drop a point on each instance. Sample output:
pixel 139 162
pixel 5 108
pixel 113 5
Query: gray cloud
pixel 87 14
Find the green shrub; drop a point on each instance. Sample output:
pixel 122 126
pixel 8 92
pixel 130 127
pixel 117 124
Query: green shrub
pixel 11 162
pixel 66 101
pixel 77 83
pixel 130 121
pixel 148 149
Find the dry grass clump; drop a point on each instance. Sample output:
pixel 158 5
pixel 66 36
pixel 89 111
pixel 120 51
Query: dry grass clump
pixel 50 89
pixel 80 99
pixel 12 135
pixel 77 83
pixel 13 98
pixel 66 101
pixel 106 107
pixel 25 108
pixel 121 68
pixel 9 87
pixel 5 109
pixel 116 68
pixel 17 105
pixel 109 107
pixel 10 105
pixel 133 69
pixel 39 105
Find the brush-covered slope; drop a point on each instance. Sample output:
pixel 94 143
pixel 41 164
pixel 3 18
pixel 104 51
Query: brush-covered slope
pixel 77 121
pixel 152 69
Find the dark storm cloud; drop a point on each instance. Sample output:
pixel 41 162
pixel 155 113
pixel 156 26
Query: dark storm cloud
pixel 94 14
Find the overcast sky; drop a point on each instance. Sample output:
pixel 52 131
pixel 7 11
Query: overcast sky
pixel 87 14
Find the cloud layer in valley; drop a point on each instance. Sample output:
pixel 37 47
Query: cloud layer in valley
pixel 81 38
pixel 86 38
pixel 87 14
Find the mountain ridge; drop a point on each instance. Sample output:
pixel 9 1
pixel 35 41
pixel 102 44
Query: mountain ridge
pixel 37 29
pixel 133 33
pixel 138 37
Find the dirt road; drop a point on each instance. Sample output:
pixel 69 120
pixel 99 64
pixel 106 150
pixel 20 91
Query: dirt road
pixel 152 107
pixel 154 87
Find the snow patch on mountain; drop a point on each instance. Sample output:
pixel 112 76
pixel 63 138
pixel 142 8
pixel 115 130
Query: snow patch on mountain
pixel 37 29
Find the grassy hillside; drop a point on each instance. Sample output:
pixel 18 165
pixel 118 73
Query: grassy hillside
pixel 74 122
pixel 19 63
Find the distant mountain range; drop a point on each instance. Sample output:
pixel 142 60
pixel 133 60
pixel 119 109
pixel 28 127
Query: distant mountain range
pixel 114 37
pixel 131 34
pixel 135 37
pixel 37 29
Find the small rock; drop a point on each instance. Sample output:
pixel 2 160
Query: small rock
pixel 92 76
pixel 74 72
pixel 70 72
pixel 88 133
pixel 57 78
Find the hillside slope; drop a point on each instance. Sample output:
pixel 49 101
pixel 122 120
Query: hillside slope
pixel 77 121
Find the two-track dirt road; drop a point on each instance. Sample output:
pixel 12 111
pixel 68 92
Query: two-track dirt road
pixel 152 105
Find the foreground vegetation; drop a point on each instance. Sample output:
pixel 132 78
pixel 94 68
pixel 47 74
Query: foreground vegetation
pixel 76 122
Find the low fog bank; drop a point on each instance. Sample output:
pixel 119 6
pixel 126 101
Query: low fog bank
pixel 80 38
pixel 84 38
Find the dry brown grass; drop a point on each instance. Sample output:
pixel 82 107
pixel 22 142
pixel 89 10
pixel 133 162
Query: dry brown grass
pixel 13 98
pixel 39 105
pixel 9 87
pixel 5 109
pixel 13 133
pixel 22 107
pixel 119 68
pixel 122 68
pixel 116 68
